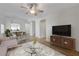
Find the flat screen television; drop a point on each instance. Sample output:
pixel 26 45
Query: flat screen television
pixel 63 30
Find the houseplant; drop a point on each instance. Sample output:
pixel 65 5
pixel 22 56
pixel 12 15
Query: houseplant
pixel 8 33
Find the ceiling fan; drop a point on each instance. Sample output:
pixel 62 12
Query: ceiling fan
pixel 32 8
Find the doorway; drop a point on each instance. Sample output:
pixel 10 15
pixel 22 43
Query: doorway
pixel 43 29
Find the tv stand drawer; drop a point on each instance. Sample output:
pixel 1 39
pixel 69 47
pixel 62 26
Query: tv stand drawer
pixel 64 42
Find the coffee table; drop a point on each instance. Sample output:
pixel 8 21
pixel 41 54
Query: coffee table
pixel 34 51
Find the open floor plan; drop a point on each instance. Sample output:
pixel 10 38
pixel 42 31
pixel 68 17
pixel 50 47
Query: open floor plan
pixel 39 29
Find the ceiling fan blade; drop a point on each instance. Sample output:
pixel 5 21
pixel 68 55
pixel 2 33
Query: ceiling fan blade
pixel 24 7
pixel 31 6
pixel 40 10
pixel 26 12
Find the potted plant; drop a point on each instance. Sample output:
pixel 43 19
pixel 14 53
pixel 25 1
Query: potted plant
pixel 7 33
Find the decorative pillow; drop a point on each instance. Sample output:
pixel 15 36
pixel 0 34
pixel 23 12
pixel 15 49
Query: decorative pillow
pixel 3 38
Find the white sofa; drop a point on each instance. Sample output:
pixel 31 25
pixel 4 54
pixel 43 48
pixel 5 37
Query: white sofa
pixel 3 51
pixel 6 44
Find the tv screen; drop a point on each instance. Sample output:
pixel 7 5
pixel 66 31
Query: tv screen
pixel 64 30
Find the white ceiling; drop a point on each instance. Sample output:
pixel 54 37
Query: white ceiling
pixel 14 11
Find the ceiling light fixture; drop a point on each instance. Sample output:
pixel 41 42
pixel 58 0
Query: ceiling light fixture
pixel 31 8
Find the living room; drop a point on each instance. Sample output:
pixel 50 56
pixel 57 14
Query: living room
pixel 24 26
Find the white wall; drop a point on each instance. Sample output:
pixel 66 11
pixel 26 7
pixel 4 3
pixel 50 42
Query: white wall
pixel 65 16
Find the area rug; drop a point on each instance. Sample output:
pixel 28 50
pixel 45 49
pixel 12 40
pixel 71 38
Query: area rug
pixel 40 50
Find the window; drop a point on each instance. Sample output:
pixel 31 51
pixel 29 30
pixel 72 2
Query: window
pixel 2 28
pixel 15 27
